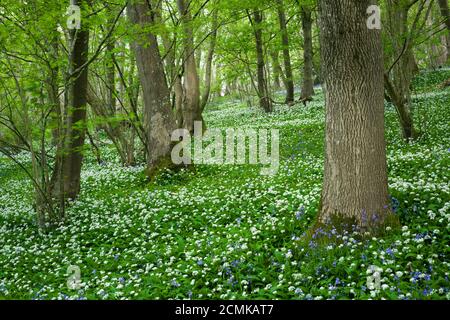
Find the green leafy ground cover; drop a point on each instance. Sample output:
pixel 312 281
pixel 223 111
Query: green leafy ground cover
pixel 226 232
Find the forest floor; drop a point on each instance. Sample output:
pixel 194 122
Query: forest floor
pixel 227 232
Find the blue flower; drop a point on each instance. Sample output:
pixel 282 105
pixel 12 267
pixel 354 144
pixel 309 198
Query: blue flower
pixel 300 213
pixel 175 284
pixel 390 252
pixel 235 263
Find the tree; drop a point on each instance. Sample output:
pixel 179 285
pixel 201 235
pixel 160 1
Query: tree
pixel 289 82
pixel 277 71
pixel 445 12
pixel 265 102
pixel 401 62
pixel 209 60
pixel 67 172
pixel 355 184
pixel 308 81
pixel 191 101
pixel 159 121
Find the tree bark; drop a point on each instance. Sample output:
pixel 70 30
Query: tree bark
pixel 404 69
pixel 209 61
pixel 308 81
pixel 265 101
pixel 286 54
pixel 355 181
pixel 277 71
pixel 191 101
pixel 159 122
pixel 67 172
pixel 445 12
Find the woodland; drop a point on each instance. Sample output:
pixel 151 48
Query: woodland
pixel 345 104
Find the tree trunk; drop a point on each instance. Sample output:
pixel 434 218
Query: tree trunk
pixel 355 185
pixel 308 81
pixel 404 69
pixel 265 101
pixel 159 122
pixel 52 86
pixel 191 103
pixel 445 12
pixel 286 54
pixel 66 178
pixel 114 131
pixel 277 71
pixel 209 61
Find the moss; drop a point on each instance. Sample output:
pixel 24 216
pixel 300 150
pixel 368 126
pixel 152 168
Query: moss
pixel 163 164
pixel 339 225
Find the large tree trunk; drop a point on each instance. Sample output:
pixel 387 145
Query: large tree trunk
pixel 265 101
pixel 355 185
pixel 445 12
pixel 308 81
pixel 191 101
pixel 286 54
pixel 159 122
pixel 67 172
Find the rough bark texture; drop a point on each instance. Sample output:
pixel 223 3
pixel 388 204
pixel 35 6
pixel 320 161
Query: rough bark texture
pixel 66 177
pixel 265 101
pixel 355 180
pixel 191 101
pixel 209 61
pixel 276 70
pixel 404 69
pixel 445 12
pixel 289 82
pixel 159 121
pixel 308 81
pixel 52 86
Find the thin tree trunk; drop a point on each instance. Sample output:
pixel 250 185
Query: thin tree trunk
pixel 286 54
pixel 209 61
pixel 53 89
pixel 114 131
pixel 355 188
pixel 67 174
pixel 308 81
pixel 265 101
pixel 191 105
pixel 399 89
pixel 445 12
pixel 277 71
